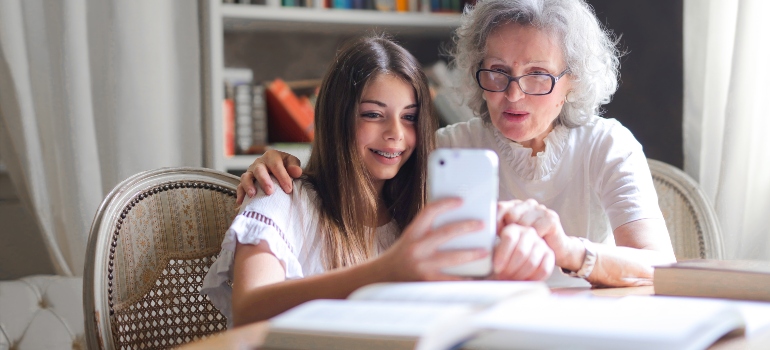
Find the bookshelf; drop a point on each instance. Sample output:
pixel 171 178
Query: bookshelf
pixel 225 26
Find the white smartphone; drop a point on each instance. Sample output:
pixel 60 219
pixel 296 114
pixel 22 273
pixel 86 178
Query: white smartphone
pixel 470 174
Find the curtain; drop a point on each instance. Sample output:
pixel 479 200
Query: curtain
pixel 726 121
pixel 92 92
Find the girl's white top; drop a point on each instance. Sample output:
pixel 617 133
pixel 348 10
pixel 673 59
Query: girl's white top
pixel 594 176
pixel 289 225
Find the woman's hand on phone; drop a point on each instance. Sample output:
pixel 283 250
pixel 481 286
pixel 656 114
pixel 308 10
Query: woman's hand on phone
pixel 521 255
pixel 285 167
pixel 416 256
pixel 545 222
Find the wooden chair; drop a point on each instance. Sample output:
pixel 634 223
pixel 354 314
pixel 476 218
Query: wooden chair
pixel 151 243
pixel 690 219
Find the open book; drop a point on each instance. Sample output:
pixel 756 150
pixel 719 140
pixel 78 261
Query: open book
pixel 421 315
pixel 632 322
pixel 512 315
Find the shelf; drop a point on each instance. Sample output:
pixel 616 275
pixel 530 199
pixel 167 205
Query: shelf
pixel 244 18
pixel 262 21
pixel 242 162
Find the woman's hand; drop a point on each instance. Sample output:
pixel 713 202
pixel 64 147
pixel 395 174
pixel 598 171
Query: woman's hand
pixel 416 256
pixel 282 165
pixel 641 244
pixel 568 251
pixel 521 255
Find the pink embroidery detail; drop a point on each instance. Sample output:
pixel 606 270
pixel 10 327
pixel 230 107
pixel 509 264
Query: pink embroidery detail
pixel 267 221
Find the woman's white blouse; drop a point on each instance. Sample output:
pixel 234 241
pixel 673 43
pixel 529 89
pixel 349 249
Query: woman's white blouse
pixel 594 176
pixel 289 225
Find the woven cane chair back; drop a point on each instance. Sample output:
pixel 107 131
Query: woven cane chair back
pixel 151 243
pixel 690 219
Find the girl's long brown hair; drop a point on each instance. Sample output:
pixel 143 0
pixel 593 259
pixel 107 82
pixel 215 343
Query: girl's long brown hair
pixel 346 197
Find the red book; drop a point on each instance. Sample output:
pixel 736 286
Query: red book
pixel 228 118
pixel 290 118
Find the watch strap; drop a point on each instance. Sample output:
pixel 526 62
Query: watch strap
pixel 588 262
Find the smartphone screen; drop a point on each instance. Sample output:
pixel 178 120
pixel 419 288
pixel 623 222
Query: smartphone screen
pixel 470 174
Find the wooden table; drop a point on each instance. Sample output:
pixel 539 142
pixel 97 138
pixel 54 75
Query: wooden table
pixel 253 335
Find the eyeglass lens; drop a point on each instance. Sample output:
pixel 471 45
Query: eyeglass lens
pixel 529 84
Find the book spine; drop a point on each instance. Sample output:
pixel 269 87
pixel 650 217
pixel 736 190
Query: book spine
pixel 385 5
pixel 290 118
pixel 445 5
pixel 425 6
pixel 402 5
pixel 435 5
pixel 259 115
pixel 243 118
pixel 454 5
pixel 414 5
pixel 228 126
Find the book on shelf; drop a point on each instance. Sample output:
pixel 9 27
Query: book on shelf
pixel 730 279
pixel 259 117
pixel 500 315
pixel 290 118
pixel 244 113
pixel 228 127
pixel 238 103
pixel 416 315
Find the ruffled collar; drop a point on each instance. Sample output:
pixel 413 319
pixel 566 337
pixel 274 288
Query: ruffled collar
pixel 520 158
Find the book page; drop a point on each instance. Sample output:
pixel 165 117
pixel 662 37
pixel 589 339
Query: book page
pixel 465 292
pixel 368 317
pixel 756 314
pixel 647 322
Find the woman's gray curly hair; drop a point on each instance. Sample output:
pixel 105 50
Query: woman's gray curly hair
pixel 589 50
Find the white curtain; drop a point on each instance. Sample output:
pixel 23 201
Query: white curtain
pixel 726 118
pixel 91 92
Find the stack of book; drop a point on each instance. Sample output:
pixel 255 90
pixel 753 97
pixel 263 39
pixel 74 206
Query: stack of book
pixel 258 114
pixel 244 113
pixel 500 315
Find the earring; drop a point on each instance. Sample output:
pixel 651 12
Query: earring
pixel 570 98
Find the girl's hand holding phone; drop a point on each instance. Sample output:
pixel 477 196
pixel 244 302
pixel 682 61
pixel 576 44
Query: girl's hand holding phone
pixel 416 256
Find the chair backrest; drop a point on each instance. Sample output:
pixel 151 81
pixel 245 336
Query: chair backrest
pixel 151 243
pixel 690 219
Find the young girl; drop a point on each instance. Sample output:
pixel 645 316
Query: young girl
pixel 364 184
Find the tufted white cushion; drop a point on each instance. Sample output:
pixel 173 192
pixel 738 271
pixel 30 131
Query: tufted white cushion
pixel 42 312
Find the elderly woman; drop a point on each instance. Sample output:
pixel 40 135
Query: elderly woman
pixel 537 74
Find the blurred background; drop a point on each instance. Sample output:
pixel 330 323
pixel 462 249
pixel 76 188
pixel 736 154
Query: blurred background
pixel 92 92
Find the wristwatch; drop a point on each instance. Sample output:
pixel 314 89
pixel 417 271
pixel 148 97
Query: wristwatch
pixel 588 262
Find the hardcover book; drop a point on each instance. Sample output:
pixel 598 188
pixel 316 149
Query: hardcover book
pixel 731 279
pixel 290 118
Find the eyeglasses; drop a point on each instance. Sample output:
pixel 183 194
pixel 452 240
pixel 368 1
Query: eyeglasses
pixel 530 84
